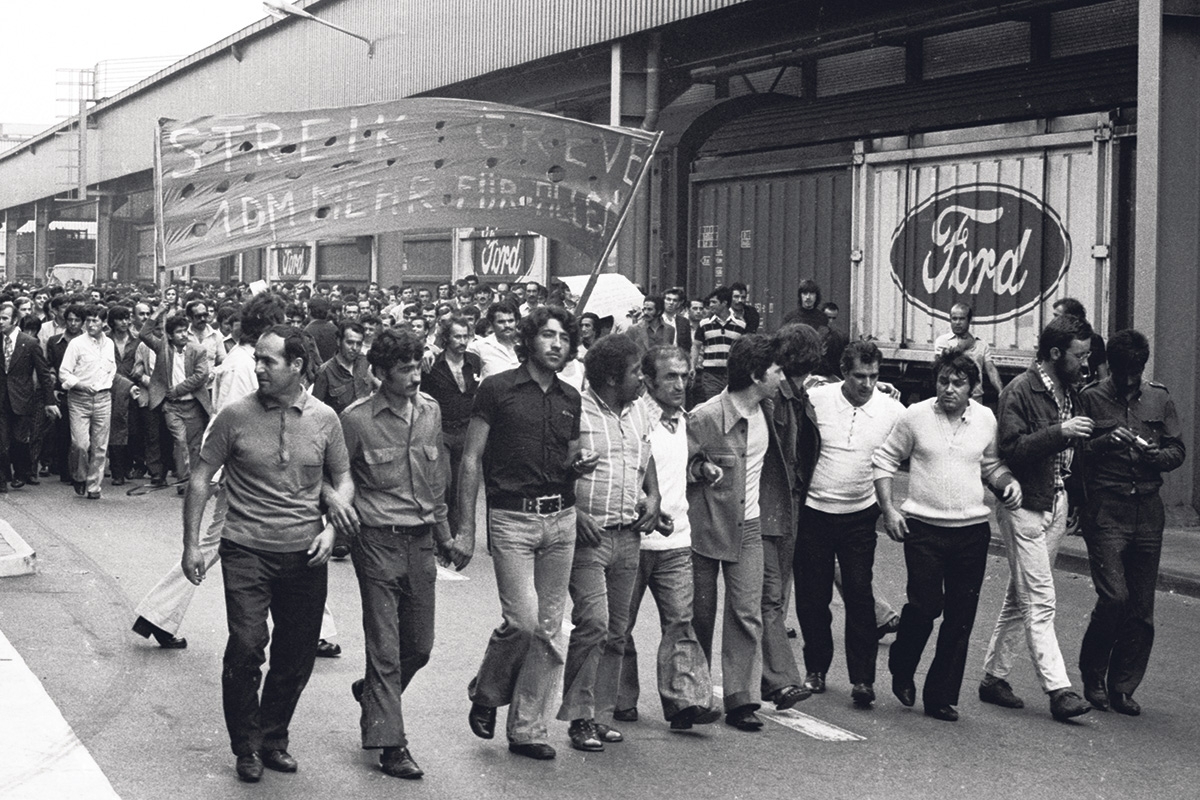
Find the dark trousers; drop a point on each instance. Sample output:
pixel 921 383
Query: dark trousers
pixel 397 574
pixel 258 582
pixel 159 459
pixel 779 662
pixel 945 572
pixel 455 439
pixel 850 539
pixel 15 433
pixel 1124 542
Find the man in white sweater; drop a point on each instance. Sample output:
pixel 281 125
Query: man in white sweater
pixel 951 443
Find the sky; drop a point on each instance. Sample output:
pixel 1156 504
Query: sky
pixel 42 36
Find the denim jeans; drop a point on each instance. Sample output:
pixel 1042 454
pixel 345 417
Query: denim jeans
pixel 945 572
pixel 741 626
pixel 89 416
pixel 1124 542
pixel 850 539
pixel 1032 539
pixel 397 574
pixel 602 578
pixel 258 582
pixel 531 554
pixel 681 665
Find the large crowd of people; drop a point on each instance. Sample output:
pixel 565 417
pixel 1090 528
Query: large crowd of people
pixel 667 450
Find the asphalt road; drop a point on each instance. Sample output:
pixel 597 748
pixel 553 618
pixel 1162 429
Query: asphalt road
pixel 152 718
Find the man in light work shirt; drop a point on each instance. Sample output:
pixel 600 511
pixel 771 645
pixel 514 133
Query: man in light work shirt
pixel 275 446
pixel 611 518
pixel 665 560
pixel 961 339
pixel 497 350
pixel 400 469
pixel 88 368
pixel 712 342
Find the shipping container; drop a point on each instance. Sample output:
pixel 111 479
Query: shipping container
pixel 1007 226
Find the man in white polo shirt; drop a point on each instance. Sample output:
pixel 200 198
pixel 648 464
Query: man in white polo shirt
pixel 838 521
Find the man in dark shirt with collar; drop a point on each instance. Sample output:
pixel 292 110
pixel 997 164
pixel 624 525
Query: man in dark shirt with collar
pixel 452 381
pixel 400 474
pixel 523 442
pixel 346 377
pixel 275 446
pixel 1136 439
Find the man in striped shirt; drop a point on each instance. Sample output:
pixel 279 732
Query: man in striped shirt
pixel 714 337
pixel 611 517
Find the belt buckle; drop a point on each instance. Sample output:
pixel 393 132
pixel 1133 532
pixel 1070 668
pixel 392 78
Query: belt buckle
pixel 541 503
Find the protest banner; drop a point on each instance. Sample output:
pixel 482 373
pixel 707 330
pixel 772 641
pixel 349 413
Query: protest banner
pixel 231 183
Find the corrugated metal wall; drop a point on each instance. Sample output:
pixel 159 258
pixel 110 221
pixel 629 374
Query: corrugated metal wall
pixel 771 233
pixel 296 64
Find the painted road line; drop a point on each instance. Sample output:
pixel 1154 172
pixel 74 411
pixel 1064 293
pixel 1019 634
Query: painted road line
pixel 803 723
pixel 811 726
pixel 444 574
pixel 42 756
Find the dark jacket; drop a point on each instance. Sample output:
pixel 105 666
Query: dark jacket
pixel 27 362
pixel 1030 437
pixel 439 383
pixel 195 368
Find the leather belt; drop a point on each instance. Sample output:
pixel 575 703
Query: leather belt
pixel 403 530
pixel 546 504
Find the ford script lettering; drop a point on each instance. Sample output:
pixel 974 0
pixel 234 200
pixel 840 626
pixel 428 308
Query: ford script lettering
pixel 1000 249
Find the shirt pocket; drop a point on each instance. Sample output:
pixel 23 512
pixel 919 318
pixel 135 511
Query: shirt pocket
pixel 383 466
pixel 309 472
pixel 435 470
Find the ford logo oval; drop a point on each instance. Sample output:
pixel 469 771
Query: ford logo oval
pixel 997 248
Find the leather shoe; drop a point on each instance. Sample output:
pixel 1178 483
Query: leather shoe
pixel 685 718
pixel 249 768
pixel 328 649
pixel 279 760
pixel 744 718
pixel 626 715
pixel 1124 703
pixel 118 481
pixel 158 481
pixel 788 696
pixel 944 713
pixel 815 682
pixel 482 720
pixel 356 689
pixel 80 488
pixel 584 736
pixel 537 750
pixel 997 692
pixel 145 628
pixel 1095 693
pixel 340 551
pixel 93 495
pixel 17 483
pixel 1065 704
pixel 607 733
pixel 399 763
pixel 863 695
pixel 905 690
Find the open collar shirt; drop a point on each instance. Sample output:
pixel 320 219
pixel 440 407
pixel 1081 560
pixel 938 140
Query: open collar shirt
pixel 611 492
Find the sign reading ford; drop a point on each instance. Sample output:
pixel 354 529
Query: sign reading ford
pixel 997 248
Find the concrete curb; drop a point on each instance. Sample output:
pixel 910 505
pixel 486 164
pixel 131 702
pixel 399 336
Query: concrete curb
pixel 1169 580
pixel 16 557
